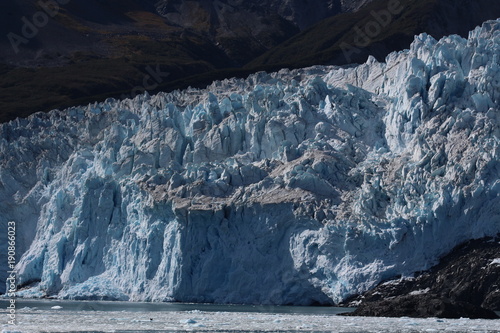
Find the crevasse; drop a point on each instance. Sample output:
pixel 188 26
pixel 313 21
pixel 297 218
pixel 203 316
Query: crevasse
pixel 296 187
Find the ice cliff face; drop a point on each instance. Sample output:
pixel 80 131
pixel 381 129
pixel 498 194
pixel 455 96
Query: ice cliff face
pixel 297 187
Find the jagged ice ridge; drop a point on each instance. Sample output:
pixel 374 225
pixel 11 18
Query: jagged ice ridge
pixel 296 187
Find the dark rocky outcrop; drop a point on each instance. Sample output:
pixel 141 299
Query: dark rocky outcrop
pixel 466 283
pixel 422 306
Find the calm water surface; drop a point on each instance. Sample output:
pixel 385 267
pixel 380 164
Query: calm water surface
pixel 147 307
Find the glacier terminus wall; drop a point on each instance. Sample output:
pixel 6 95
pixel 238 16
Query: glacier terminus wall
pixel 297 187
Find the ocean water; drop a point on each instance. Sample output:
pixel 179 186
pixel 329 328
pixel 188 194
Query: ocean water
pixel 127 317
pixel 48 304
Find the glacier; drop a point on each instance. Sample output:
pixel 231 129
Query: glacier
pixel 302 186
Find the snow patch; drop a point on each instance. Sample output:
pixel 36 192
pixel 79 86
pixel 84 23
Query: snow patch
pixel 495 261
pixel 419 292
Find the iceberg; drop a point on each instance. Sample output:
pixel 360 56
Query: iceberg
pixel 297 187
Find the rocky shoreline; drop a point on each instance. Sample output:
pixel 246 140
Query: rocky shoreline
pixel 466 283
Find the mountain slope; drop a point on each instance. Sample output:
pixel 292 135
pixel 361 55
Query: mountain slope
pixel 84 51
pixel 245 29
pixel 297 187
pixel 377 29
pixel 91 50
pixel 261 25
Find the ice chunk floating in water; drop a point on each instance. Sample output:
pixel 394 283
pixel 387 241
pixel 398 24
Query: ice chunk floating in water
pixel 238 320
pixel 297 187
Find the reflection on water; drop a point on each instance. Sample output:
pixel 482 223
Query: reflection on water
pixel 143 307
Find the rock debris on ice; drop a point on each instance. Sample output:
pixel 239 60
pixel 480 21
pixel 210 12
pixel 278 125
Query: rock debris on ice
pixel 296 187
